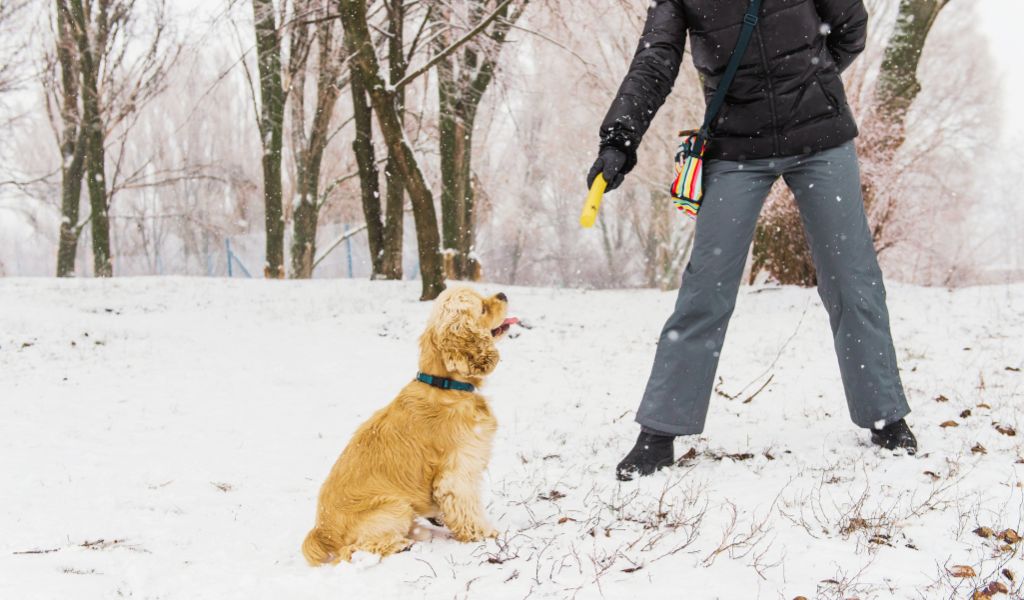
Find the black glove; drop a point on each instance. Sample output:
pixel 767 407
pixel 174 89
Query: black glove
pixel 614 163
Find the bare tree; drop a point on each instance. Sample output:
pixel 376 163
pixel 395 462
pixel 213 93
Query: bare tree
pixel 384 226
pixel 91 32
pixel 398 64
pixel 463 78
pixel 72 144
pixel 369 178
pixel 382 98
pixel 271 126
pixel 308 148
pixel 898 85
pixel 104 78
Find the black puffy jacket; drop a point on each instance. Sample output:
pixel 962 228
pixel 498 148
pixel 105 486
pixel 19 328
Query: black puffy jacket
pixel 787 97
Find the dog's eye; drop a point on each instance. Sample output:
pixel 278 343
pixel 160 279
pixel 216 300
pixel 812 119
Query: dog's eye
pixel 483 309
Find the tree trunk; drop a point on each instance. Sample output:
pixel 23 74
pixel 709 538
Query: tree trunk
pixel 310 157
pixel 463 78
pixel 468 267
pixel 382 98
pixel 895 92
pixel 71 196
pixel 305 222
pixel 456 149
pixel 96 184
pixel 72 144
pixel 271 126
pixel 457 199
pixel 395 195
pixel 898 85
pixel 369 179
pixel 780 245
pixel 89 36
pixel 448 145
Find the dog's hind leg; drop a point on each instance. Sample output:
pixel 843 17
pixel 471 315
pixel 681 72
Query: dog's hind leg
pixel 384 529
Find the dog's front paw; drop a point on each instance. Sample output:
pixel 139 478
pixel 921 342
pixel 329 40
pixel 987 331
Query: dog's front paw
pixel 475 533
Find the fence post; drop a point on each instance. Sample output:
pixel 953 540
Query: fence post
pixel 348 249
pixel 227 244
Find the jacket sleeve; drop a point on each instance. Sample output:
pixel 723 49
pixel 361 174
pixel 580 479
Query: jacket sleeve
pixel 848 29
pixel 650 78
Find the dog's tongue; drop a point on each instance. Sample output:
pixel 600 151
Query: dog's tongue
pixel 505 325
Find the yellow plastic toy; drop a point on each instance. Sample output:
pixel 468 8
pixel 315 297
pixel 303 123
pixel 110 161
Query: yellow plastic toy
pixel 593 203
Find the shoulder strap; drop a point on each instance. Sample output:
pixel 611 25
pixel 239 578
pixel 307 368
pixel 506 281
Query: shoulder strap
pixel 749 22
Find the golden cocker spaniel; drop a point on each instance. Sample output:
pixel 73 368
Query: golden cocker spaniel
pixel 424 454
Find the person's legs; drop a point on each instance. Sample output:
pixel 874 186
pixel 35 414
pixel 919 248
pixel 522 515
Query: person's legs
pixel 827 188
pixel 679 389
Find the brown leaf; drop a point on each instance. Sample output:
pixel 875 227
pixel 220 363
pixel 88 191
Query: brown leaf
pixel 1013 369
pixel 941 398
pixel 552 495
pixel 978 449
pixel 1009 575
pixel 962 571
pixel 933 475
pixel 632 569
pixel 800 598
pixel 984 405
pixel 985 532
pixel 1009 536
pixel 1005 429
pixel 966 413
pixel 981 595
pixel 997 587
pixel 853 525
pixel 949 424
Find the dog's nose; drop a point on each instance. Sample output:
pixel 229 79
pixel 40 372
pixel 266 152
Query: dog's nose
pixel 501 296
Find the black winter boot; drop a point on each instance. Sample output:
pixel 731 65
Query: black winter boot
pixel 895 435
pixel 651 453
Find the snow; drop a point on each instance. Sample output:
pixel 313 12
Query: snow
pixel 166 438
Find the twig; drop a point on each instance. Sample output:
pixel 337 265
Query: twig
pixel 451 49
pixel 43 551
pixel 337 243
pixel 764 385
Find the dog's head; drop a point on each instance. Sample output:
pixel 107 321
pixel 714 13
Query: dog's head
pixel 461 332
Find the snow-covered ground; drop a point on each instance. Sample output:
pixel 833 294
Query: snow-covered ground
pixel 166 438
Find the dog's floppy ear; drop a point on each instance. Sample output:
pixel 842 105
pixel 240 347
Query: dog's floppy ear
pixel 465 347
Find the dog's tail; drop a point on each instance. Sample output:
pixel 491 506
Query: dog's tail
pixel 319 548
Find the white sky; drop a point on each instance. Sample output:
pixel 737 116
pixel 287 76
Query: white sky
pixel 1003 21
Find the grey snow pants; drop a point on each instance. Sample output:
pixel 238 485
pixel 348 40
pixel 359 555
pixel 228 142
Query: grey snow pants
pixel 827 188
